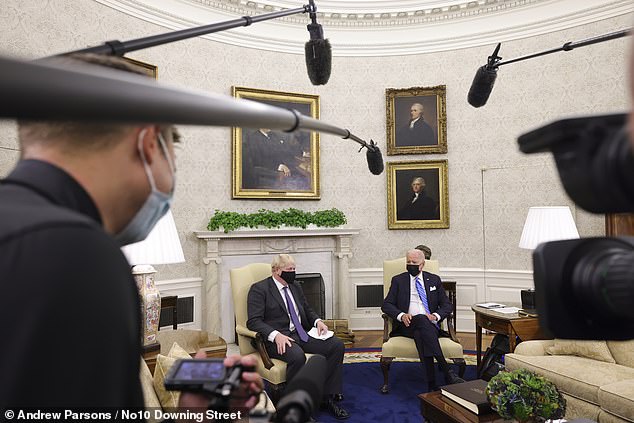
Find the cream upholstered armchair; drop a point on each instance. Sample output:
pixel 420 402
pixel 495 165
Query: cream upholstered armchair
pixel 271 370
pixel 403 347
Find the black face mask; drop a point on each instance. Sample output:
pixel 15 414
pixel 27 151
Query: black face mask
pixel 413 269
pixel 289 277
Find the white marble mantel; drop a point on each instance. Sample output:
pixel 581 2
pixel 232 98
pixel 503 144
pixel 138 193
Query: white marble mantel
pixel 323 250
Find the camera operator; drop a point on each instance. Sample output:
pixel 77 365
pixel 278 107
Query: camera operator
pixel 72 330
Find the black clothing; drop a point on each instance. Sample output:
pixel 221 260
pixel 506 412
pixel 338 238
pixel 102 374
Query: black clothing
pixel 70 311
pixel 266 310
pixel 420 134
pixel 421 208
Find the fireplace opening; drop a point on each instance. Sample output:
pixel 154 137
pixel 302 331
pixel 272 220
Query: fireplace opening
pixel 314 290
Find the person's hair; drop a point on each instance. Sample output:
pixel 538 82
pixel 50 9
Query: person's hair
pixel 76 135
pixel 416 253
pixel 420 179
pixel 280 261
pixel 425 249
pixel 420 106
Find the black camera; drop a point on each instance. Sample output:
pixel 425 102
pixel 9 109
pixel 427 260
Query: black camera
pixel 585 287
pixel 196 375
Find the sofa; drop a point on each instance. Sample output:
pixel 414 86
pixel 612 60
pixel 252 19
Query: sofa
pixel 595 377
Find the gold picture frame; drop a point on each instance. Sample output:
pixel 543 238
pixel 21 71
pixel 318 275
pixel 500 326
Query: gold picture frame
pixel 416 120
pixel 274 164
pixel 427 210
pixel 148 69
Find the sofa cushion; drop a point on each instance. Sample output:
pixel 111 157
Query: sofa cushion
pixel 596 350
pixel 576 376
pixel 618 398
pixel 168 399
pixel 623 352
pixel 150 399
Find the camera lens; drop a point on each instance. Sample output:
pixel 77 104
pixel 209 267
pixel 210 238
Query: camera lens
pixel 603 277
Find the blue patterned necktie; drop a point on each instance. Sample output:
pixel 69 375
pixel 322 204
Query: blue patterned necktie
pixel 291 310
pixel 422 295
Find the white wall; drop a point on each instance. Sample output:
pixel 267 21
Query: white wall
pixel 487 207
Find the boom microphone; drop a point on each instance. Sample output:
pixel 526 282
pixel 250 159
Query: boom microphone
pixel 483 81
pixel 303 393
pixel 374 158
pixel 317 50
pixel 53 90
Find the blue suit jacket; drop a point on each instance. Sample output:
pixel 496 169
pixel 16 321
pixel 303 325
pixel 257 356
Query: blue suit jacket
pixel 398 298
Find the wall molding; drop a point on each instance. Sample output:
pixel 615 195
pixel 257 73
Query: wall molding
pixel 379 30
pixel 473 286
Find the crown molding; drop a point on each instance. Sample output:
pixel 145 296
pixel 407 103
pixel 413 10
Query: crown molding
pixel 438 26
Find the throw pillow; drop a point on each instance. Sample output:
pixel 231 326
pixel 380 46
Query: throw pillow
pixel 596 350
pixel 168 399
pixel 623 352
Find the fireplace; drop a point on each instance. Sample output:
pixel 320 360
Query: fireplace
pixel 314 290
pixel 323 252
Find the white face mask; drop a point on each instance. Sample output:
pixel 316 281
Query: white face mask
pixel 155 206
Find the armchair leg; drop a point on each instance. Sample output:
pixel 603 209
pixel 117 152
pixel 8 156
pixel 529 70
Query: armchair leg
pixel 462 365
pixel 385 367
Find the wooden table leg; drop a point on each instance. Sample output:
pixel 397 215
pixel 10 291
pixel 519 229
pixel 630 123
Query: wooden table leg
pixel 512 341
pixel 478 345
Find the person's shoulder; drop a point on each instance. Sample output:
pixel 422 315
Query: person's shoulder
pixel 264 283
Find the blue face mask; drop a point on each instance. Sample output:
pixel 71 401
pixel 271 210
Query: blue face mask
pixel 155 206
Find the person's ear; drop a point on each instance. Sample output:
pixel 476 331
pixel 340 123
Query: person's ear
pixel 149 143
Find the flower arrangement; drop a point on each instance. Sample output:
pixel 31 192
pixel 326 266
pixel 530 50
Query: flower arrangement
pixel 230 221
pixel 525 396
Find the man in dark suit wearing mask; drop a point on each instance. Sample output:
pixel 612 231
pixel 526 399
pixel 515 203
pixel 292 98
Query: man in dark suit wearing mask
pixel 277 308
pixel 417 302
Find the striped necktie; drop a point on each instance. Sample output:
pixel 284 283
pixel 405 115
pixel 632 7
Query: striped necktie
pixel 422 295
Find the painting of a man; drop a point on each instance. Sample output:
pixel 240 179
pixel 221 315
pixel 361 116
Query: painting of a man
pixel 416 120
pixel 417 131
pixel 418 205
pixel 271 160
pixel 275 164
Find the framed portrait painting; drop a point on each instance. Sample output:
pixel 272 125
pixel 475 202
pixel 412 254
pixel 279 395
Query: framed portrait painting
pixel 271 164
pixel 417 196
pixel 416 120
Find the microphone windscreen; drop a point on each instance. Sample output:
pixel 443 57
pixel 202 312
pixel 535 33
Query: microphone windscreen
pixel 318 60
pixel 375 160
pixel 482 86
pixel 310 378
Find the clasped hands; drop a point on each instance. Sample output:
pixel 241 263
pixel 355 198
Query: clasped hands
pixel 407 318
pixel 283 341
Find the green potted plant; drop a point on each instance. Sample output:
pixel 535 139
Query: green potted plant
pixel 230 221
pixel 525 396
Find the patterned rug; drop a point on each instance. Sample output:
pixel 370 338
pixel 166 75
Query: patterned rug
pixel 370 355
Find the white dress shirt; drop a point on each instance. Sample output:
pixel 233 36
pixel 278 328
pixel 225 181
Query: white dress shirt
pixel 415 303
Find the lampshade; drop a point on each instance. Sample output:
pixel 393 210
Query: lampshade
pixel 161 246
pixel 545 224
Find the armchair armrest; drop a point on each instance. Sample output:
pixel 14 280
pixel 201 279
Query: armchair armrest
pixel 387 325
pixel 259 344
pixel 452 331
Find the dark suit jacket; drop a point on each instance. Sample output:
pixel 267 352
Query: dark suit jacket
pixel 266 308
pixel 398 297
pixel 420 134
pixel 424 208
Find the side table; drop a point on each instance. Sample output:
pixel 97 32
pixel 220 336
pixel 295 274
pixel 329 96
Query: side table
pixel 513 325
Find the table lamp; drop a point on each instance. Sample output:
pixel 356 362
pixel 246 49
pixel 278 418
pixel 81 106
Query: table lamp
pixel 545 224
pixel 162 246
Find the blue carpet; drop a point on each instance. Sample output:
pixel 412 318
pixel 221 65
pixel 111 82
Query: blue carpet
pixel 365 403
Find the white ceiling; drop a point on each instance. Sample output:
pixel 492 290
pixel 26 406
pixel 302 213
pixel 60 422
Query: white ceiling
pixel 379 27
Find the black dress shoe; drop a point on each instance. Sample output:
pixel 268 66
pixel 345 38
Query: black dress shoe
pixel 453 379
pixel 336 410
